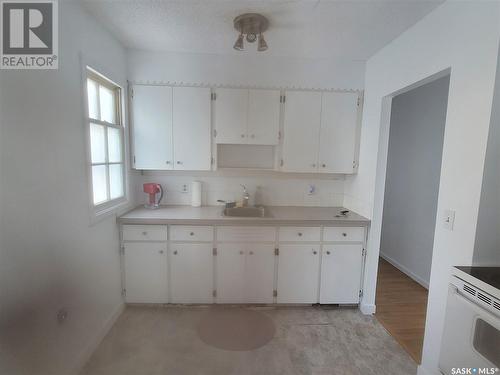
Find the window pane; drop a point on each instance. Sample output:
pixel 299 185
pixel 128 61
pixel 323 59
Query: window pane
pixel 116 180
pixel 92 99
pixel 107 101
pixel 99 184
pixel 114 145
pixel 97 143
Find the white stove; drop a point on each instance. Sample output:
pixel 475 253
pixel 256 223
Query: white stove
pixel 471 337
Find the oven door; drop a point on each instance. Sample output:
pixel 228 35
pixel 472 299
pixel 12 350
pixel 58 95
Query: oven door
pixel 471 336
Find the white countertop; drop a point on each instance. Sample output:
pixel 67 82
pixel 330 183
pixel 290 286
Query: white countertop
pixel 212 215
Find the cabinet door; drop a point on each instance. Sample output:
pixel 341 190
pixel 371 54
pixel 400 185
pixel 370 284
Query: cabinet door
pixel 298 274
pixel 230 266
pixel 259 273
pixel 191 271
pixel 301 131
pixel 341 273
pixel 146 272
pixel 339 121
pixel 152 127
pixel 263 117
pixel 191 123
pixel 231 107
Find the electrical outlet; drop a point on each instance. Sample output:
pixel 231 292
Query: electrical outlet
pixel 311 190
pixel 185 188
pixel 448 219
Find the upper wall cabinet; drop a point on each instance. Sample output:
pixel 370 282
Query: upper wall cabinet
pixel 151 110
pixel 320 132
pixel 301 132
pixel 338 134
pixel 171 127
pixel 191 123
pixel 247 116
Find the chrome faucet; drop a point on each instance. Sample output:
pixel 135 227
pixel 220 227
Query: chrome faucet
pixel 246 196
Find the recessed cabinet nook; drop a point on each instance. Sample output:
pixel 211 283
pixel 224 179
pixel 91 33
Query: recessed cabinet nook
pixel 203 129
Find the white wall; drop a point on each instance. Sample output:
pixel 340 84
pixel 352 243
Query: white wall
pixel 246 70
pixel 487 246
pixel 463 37
pixel 249 70
pixel 50 257
pixel 265 189
pixel 412 181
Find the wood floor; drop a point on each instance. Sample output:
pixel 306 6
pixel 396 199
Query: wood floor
pixel 401 306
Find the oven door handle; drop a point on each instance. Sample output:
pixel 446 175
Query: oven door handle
pixel 476 307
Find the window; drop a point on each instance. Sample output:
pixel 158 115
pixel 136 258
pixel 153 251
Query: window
pixel 106 141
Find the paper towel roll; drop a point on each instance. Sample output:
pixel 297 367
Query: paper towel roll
pixel 196 193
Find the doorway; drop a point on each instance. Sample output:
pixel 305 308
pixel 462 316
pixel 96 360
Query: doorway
pixel 417 123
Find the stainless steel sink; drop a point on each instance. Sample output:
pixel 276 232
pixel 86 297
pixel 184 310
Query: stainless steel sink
pixel 245 211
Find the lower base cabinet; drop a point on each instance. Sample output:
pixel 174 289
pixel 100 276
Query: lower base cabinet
pixel 341 267
pixel 313 265
pixel 191 273
pixel 146 276
pixel 298 273
pixel 245 273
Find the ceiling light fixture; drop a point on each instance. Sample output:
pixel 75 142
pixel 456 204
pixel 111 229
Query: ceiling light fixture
pixel 253 26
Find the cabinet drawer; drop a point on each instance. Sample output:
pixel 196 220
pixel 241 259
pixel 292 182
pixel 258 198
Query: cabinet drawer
pixel 299 234
pixel 144 232
pixel 350 234
pixel 246 234
pixel 191 233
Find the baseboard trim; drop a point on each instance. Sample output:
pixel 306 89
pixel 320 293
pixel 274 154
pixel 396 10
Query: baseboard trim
pixel 421 370
pixel 367 309
pixel 96 340
pixel 405 270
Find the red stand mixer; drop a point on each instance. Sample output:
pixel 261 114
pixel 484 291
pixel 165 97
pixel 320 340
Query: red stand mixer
pixel 155 193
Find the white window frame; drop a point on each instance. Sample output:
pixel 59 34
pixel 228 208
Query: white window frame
pixel 113 206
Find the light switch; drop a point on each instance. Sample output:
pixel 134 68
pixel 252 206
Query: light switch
pixel 448 219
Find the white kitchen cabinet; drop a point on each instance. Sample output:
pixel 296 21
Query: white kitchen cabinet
pixel 231 107
pixel 259 273
pixel 230 268
pixel 191 273
pixel 341 267
pixel 298 273
pixel 146 272
pixel 339 132
pixel 152 127
pixel 301 131
pixel 320 132
pixel 245 273
pixel 263 117
pixel 244 116
pixel 191 128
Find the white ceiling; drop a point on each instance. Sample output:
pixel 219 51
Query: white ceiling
pixel 350 29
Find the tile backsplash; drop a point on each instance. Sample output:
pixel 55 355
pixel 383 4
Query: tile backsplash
pixel 266 190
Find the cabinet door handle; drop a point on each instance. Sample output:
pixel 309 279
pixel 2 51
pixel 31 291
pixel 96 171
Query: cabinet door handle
pixel 251 252
pixel 175 252
pixel 191 234
pixel 161 251
pixel 168 162
pixel 144 233
pixel 243 136
pixel 344 234
pixel 242 252
pixel 327 253
pixel 315 252
pixel 179 162
pixel 313 165
pixel 299 234
pixel 323 165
